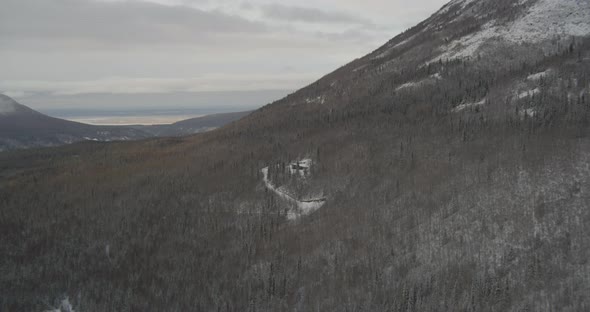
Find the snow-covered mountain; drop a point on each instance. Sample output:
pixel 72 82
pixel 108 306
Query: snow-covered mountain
pixel 533 22
pixel 486 39
pixel 521 22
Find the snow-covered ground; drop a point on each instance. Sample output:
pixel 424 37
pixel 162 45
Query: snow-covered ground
pixel 545 20
pixel 298 207
pixel 550 18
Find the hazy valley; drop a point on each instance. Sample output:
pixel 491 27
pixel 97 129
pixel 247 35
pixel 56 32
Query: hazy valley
pixel 22 127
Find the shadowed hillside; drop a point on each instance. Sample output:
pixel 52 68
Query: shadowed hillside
pixel 193 125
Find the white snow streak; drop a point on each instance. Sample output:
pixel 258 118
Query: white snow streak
pixel 462 107
pixel 409 85
pixel 414 84
pixel 539 76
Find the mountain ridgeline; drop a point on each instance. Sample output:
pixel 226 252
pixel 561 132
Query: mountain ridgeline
pixel 193 125
pixel 449 170
pixel 22 127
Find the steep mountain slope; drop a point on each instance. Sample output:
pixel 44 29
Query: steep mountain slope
pixel 22 127
pixel 496 37
pixel 420 177
pixel 9 106
pixel 193 125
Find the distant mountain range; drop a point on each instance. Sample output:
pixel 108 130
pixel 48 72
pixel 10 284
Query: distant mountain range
pixel 23 127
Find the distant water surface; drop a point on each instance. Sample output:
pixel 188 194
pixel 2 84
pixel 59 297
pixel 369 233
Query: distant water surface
pixel 132 117
pixel 131 120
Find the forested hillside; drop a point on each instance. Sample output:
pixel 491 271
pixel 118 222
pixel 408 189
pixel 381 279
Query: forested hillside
pixel 447 171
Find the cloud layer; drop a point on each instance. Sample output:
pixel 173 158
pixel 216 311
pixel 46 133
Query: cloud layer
pixel 77 46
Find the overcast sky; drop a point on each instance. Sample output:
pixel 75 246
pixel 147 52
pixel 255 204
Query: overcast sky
pixel 77 47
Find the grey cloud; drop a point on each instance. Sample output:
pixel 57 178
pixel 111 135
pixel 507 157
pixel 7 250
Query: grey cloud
pixel 358 35
pixel 119 22
pixel 77 47
pixel 310 15
pixel 93 103
pixel 212 82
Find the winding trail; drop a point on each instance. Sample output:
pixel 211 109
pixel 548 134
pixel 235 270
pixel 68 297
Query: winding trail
pixel 302 207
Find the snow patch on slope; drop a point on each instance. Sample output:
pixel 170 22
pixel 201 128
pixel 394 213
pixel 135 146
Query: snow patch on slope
pixel 550 18
pixel 539 76
pixel 413 84
pixel 317 100
pixel 465 106
pixel 529 93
